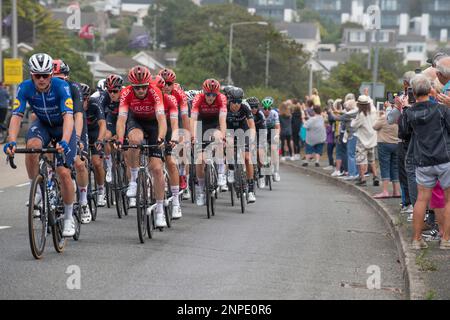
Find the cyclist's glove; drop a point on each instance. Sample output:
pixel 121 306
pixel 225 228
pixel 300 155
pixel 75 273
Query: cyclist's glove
pixel 98 144
pixel 65 146
pixel 9 145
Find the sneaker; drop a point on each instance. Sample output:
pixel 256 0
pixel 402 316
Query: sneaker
pixel 262 182
pixel 221 180
pixel 291 158
pixel 350 178
pixel 337 174
pixel 108 176
pixel 431 235
pixel 101 200
pixel 407 209
pixel 376 181
pixel 410 217
pixel 329 168
pixel 251 197
pixel 132 203
pixel 297 157
pixel 283 159
pixel 160 220
pixel 418 245
pixel 224 188
pixel 305 164
pixel 361 183
pixel 186 194
pixel 276 177
pixel 230 176
pixel 176 212
pixel 86 216
pixel 183 183
pixel 69 228
pixel 317 164
pixel 132 189
pixel 445 245
pixel 201 199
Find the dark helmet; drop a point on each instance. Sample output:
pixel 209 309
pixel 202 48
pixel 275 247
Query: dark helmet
pixel 236 93
pixel 253 102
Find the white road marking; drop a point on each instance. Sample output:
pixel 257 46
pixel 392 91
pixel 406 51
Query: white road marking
pixel 23 185
pixel 4 227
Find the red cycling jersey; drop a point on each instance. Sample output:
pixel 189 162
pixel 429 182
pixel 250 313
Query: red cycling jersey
pixel 181 98
pixel 142 109
pixel 170 107
pixel 203 111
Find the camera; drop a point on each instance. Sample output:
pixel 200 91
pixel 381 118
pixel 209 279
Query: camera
pixel 411 98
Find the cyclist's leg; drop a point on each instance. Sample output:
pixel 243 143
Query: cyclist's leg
pixel 135 136
pixel 108 160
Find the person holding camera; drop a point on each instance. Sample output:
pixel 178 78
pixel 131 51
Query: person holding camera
pixel 428 123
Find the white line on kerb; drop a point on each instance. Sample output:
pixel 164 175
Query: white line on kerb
pixel 23 185
pixel 4 227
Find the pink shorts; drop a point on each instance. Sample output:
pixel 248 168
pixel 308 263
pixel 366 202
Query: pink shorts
pixel 437 197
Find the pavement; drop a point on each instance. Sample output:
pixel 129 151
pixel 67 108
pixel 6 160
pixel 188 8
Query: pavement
pixel 427 272
pixel 306 239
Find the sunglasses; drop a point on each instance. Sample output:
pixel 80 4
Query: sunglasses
pixel 43 76
pixel 114 91
pixel 143 87
pixel 236 101
pixel 267 108
pixel 168 84
pixel 211 94
pixel 254 107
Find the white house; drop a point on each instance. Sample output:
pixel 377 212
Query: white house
pixel 136 6
pixel 307 34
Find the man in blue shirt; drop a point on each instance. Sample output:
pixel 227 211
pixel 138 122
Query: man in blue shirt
pixel 50 100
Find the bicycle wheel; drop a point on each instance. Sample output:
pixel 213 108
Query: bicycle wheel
pixel 108 195
pixel 240 177
pixel 77 219
pixel 214 192
pixel 269 182
pixel 192 181
pixel 37 223
pixel 117 190
pixel 59 242
pixel 142 205
pixel 167 204
pixel 92 194
pixel 208 191
pixel 232 191
pixel 124 183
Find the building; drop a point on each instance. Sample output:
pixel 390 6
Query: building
pixel 239 2
pixel 276 10
pixel 136 6
pixel 438 12
pixel 414 49
pixel 307 34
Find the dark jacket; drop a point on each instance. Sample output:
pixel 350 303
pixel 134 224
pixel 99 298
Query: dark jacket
pixel 429 125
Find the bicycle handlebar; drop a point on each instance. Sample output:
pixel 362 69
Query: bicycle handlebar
pixel 10 158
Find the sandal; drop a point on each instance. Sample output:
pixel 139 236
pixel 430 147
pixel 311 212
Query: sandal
pixel 382 195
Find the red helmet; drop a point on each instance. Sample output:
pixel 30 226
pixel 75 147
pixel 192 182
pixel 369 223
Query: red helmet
pixel 113 81
pixel 211 85
pixel 168 75
pixel 139 75
pixel 59 67
pixel 159 81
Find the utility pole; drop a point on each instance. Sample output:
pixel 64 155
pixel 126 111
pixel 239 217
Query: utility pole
pixel 267 63
pixel 14 37
pixel 1 42
pixel 310 78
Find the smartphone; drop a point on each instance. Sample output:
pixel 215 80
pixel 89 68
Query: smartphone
pixel 380 106
pixel 411 98
pixel 390 97
pixel 418 71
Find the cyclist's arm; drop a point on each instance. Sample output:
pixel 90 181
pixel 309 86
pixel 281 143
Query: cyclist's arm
pixel 19 107
pixel 184 110
pixel 14 128
pixel 68 126
pixel 223 115
pixel 252 127
pixel 173 112
pixel 79 123
pixel 194 116
pixel 123 116
pixel 102 129
pixel 162 125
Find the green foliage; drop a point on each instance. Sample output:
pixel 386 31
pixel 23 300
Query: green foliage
pixel 88 9
pixel 262 92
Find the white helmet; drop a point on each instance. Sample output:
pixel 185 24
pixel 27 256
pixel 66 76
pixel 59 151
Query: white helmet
pixel 101 85
pixel 41 63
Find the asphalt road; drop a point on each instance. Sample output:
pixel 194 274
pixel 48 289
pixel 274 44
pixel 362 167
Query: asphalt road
pixel 304 240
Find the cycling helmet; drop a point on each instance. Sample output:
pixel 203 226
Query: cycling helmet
pixel 190 94
pixel 41 63
pixel 159 81
pixel 253 102
pixel 211 86
pixel 226 89
pixel 101 85
pixel 60 67
pixel 267 102
pixel 236 93
pixel 139 75
pixel 113 81
pixel 168 75
pixel 85 89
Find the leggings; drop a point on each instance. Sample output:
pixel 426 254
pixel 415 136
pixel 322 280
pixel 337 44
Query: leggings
pixel 296 138
pixel 287 139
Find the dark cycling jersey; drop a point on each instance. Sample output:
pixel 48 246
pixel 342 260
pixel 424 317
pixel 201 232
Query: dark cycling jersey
pixel 94 113
pixel 104 100
pixel 260 120
pixel 238 120
pixel 49 107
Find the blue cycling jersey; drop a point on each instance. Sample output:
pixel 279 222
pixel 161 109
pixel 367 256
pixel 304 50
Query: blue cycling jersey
pixel 50 107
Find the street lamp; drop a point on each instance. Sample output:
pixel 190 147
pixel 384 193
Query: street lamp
pixel 261 23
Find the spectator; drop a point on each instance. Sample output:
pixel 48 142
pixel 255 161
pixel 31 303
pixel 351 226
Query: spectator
pixel 341 146
pixel 315 97
pixel 5 100
pixel 443 74
pixel 330 130
pixel 429 124
pixel 286 131
pixel 315 137
pixel 349 138
pixel 296 126
pixel 366 140
pixel 387 138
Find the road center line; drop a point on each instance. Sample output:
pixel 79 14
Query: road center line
pixel 23 185
pixel 4 227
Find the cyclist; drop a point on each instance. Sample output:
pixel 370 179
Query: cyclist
pixel 174 89
pixel 101 85
pixel 273 125
pixel 239 116
pixel 260 124
pixel 142 111
pixel 96 125
pixel 171 111
pixel 62 70
pixel 52 104
pixel 109 101
pixel 209 108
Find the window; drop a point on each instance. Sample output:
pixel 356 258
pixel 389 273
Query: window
pixel 327 5
pixel 357 36
pixel 389 5
pixel 270 2
pixel 440 5
pixel 414 48
pixel 383 37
